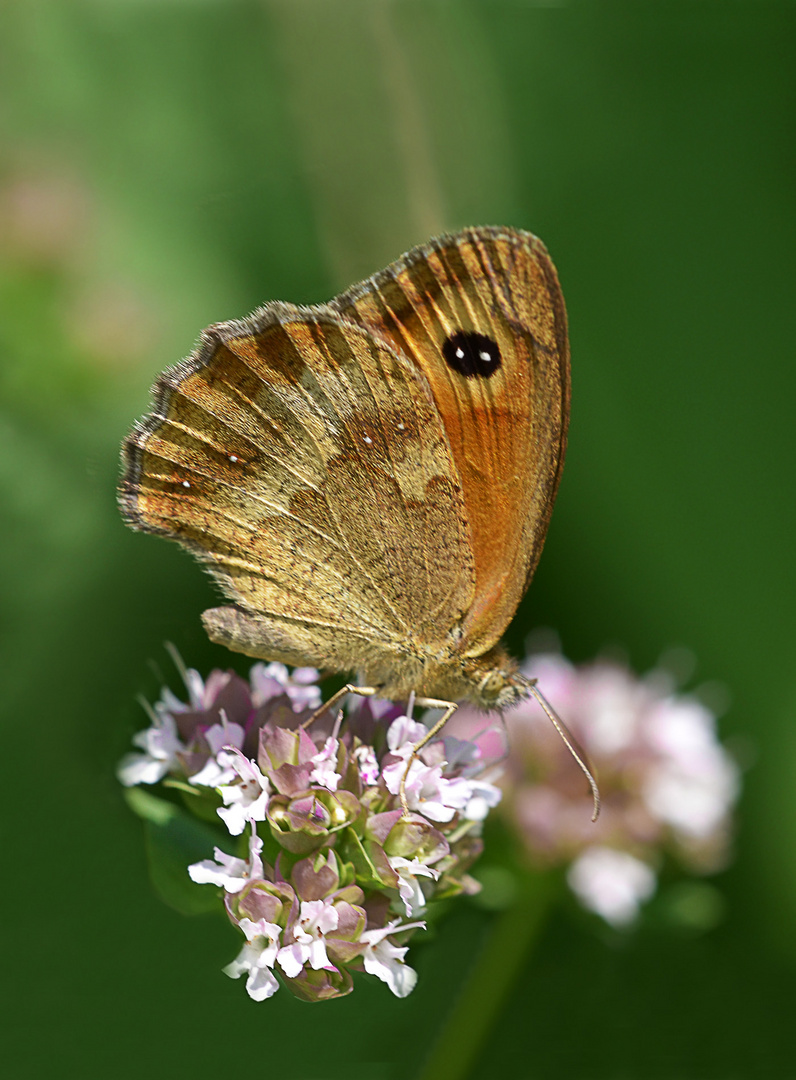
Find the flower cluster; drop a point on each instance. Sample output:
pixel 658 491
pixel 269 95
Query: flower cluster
pixel 666 783
pixel 330 872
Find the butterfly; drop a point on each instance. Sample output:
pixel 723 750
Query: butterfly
pixel 370 480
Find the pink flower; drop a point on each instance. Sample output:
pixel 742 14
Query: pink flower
pixel 230 873
pixel 304 943
pixel 246 796
pixel 257 958
pixel 667 784
pixel 386 961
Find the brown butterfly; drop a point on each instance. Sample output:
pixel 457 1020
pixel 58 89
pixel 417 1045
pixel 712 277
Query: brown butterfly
pixel 370 480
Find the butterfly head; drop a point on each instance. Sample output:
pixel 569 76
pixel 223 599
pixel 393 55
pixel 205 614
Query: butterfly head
pixel 494 682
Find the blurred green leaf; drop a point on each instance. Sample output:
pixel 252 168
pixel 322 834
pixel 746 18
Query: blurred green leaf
pixel 174 840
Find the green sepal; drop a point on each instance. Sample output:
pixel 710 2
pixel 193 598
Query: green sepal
pixel 348 874
pixel 368 875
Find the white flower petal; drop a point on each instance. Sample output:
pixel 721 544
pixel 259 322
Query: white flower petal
pixel 611 883
pixel 404 734
pixel 261 984
pixel 694 804
pixel 247 799
pixel 291 959
pixel 368 765
pixel 161 744
pixel 257 957
pixel 409 888
pixel 230 872
pixel 212 774
pixel 272 680
pixel 324 763
pixel 227 734
pixel 483 797
pixel 317 954
pixel 385 960
pixel 141 769
pixel 231 876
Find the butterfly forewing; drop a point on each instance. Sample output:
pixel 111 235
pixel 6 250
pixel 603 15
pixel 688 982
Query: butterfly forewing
pixel 305 462
pixel 482 316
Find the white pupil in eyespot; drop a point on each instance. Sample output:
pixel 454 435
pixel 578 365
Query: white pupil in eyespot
pixel 460 354
pixel 485 356
pixel 233 457
pixel 185 483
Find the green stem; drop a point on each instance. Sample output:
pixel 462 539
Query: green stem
pixel 504 952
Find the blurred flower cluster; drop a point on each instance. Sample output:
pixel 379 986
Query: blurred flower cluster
pixel 667 785
pixel 324 872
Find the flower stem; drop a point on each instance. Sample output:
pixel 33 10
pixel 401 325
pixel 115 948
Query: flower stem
pixel 503 954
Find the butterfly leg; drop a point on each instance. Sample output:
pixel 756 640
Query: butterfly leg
pixel 450 708
pixel 349 688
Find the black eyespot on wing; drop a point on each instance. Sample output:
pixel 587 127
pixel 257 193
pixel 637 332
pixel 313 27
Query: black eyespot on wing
pixel 472 354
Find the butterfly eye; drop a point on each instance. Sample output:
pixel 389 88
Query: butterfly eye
pixel 472 354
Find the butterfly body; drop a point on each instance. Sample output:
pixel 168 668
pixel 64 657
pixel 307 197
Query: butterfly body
pixel 370 480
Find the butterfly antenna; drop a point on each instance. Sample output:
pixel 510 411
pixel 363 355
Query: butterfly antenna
pixel 570 742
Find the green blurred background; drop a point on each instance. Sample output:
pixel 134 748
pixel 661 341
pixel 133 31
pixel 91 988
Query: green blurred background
pixel 165 164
